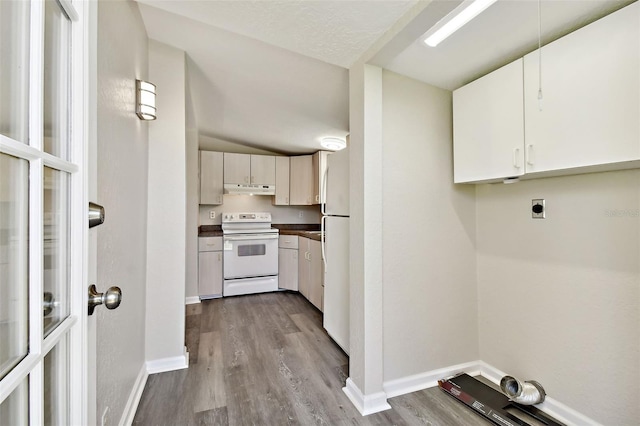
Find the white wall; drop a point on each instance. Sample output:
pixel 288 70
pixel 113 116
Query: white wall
pixel 365 236
pixel 193 198
pixel 122 189
pixel 260 203
pixel 430 311
pixel 166 231
pixel 559 298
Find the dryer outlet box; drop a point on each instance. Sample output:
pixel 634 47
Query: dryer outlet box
pixel 537 208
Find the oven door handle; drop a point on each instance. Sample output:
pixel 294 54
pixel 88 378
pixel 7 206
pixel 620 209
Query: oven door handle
pixel 247 237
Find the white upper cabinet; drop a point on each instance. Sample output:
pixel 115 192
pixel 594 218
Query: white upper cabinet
pixel 263 169
pixel 587 120
pixel 282 182
pixel 247 169
pixel 237 168
pixel 488 128
pixel 301 182
pixel 591 96
pixel 211 185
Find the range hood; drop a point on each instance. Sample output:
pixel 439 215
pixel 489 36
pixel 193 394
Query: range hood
pixel 238 189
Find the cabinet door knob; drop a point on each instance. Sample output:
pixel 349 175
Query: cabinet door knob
pixel 516 158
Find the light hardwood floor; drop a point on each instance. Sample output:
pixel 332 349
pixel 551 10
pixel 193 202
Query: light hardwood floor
pixel 266 360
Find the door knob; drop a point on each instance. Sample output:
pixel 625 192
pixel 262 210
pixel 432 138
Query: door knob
pixel 48 303
pixel 96 215
pixel 110 299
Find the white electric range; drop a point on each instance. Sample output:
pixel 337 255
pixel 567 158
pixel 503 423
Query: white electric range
pixel 250 247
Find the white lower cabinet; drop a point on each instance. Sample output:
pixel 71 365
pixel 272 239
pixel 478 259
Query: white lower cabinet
pixel 210 267
pixel 310 271
pixel 288 262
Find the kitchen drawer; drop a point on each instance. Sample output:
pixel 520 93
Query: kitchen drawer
pixel 288 241
pixel 211 243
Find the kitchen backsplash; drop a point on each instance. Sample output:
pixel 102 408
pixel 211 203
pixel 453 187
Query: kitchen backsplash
pixel 259 203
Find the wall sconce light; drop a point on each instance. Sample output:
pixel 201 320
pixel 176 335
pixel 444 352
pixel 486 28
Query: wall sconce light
pixel 145 100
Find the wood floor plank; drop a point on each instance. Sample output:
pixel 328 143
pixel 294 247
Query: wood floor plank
pixel 193 309
pixel 193 321
pixel 211 315
pixel 217 416
pixel 192 342
pixel 209 388
pixel 173 408
pixel 266 360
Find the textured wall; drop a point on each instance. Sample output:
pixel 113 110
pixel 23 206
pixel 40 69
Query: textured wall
pixel 430 313
pixel 122 189
pixel 167 201
pixel 559 298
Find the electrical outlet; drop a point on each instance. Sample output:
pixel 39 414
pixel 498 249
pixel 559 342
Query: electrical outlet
pixel 105 417
pixel 537 208
pixel 212 214
pixel 300 214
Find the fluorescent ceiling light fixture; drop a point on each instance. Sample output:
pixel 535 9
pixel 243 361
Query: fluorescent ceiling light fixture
pixel 145 100
pixel 455 20
pixel 333 144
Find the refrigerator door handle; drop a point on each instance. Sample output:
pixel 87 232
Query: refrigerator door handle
pixel 323 192
pixel 322 242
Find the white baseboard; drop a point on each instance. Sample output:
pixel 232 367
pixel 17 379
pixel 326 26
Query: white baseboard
pixel 134 397
pixel 191 300
pixel 168 364
pixel 365 404
pixel 554 408
pixel 429 379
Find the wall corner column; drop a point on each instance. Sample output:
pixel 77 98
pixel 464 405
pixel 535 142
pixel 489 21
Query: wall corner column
pixel 365 384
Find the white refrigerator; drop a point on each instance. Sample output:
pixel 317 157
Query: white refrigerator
pixel 335 248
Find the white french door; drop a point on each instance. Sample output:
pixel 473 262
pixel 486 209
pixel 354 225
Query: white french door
pixel 43 212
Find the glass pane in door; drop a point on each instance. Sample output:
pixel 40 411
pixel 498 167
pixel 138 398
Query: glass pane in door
pixel 57 28
pixel 56 385
pixel 56 248
pixel 14 69
pixel 14 409
pixel 14 257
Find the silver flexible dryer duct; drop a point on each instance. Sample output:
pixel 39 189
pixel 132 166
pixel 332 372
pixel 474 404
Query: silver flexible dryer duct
pixel 527 393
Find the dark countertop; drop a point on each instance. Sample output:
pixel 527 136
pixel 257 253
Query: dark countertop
pixel 303 230
pixel 314 235
pixel 210 231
